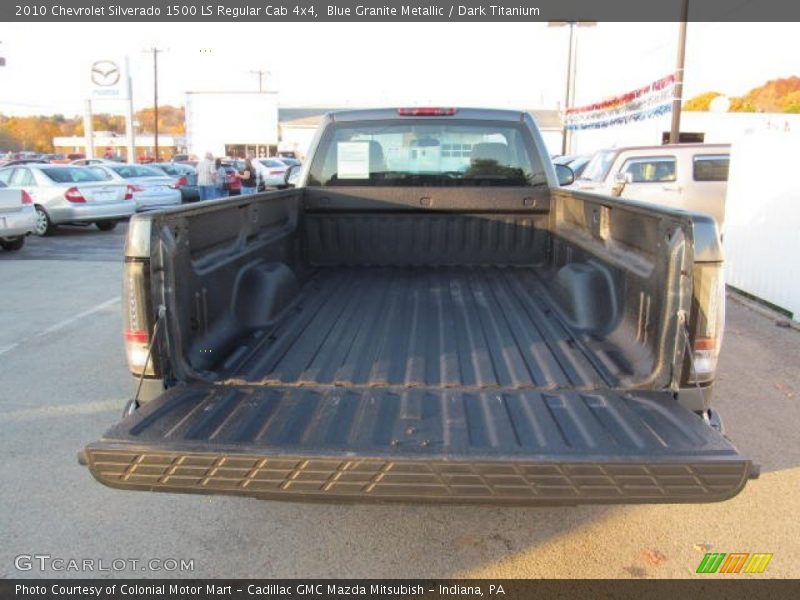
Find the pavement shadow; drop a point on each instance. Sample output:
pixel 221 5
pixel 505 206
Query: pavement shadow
pixel 400 540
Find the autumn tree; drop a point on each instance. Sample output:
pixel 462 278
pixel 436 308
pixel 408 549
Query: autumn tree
pixel 741 105
pixel 701 102
pixel 170 120
pixel 791 102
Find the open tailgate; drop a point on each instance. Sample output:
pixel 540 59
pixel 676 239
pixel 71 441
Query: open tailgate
pixel 417 445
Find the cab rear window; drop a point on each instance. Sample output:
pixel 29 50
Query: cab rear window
pixel 426 152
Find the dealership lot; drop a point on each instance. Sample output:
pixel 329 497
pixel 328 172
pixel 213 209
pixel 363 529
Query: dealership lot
pixel 64 381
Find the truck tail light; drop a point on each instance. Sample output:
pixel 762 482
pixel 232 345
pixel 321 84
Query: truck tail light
pixel 137 318
pixel 426 111
pixel 74 195
pixel 707 322
pixel 26 198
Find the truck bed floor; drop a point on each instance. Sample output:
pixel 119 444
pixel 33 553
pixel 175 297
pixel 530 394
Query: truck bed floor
pixel 441 327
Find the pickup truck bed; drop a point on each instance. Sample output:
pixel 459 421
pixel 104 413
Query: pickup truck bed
pixel 386 382
pixel 445 327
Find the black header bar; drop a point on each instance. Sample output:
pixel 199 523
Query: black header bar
pixel 736 586
pixel 395 11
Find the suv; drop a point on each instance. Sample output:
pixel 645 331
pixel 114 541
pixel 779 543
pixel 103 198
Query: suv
pixel 686 176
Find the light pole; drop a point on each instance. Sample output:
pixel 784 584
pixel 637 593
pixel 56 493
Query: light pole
pixel 677 98
pixel 572 59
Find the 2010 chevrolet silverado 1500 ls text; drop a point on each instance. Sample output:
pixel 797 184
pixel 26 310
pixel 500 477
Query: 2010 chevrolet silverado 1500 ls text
pixel 426 317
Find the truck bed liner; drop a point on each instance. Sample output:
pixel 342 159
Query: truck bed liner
pixel 427 327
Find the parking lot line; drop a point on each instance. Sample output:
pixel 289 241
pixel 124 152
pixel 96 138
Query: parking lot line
pixel 81 408
pixel 61 324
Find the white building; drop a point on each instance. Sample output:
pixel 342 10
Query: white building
pixel 232 123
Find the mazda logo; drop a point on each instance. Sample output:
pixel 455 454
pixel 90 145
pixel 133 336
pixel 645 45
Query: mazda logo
pixel 105 73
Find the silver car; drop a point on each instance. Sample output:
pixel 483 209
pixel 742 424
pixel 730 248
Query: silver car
pixel 151 187
pixel 17 217
pixel 83 162
pixel 273 171
pixel 67 194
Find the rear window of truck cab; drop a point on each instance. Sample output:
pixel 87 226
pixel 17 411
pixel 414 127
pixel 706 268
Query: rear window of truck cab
pixel 426 152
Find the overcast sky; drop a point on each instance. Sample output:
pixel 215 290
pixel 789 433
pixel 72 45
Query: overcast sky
pixel 364 64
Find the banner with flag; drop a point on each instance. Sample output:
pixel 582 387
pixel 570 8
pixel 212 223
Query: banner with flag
pixel 649 101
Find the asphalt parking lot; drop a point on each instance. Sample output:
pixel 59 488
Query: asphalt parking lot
pixel 63 381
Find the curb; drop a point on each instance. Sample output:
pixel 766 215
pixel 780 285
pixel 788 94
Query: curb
pixel 754 305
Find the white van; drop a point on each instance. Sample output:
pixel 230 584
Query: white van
pixel 688 176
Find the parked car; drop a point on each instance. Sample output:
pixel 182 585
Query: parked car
pixel 151 187
pixel 66 194
pixel 179 157
pixel 274 173
pixel 576 162
pixel 404 326
pixel 185 178
pixel 17 217
pixel 25 161
pixel 685 176
pixel 83 162
pixel 234 183
pixel 289 161
pixel 56 158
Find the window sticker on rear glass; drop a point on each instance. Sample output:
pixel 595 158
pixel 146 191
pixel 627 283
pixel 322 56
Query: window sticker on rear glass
pixel 352 160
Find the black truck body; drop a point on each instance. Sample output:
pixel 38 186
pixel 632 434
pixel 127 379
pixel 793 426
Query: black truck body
pixel 504 344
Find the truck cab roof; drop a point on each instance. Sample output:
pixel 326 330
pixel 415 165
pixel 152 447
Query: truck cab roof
pixel 380 114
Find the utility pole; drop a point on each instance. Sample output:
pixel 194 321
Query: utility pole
pixel 677 98
pixel 129 127
pixel 88 129
pixel 569 96
pixel 572 59
pixel 155 52
pixel 260 73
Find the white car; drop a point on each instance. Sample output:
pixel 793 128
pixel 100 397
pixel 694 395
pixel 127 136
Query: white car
pixel 152 188
pixel 85 162
pixel 273 172
pixel 17 217
pixel 67 194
